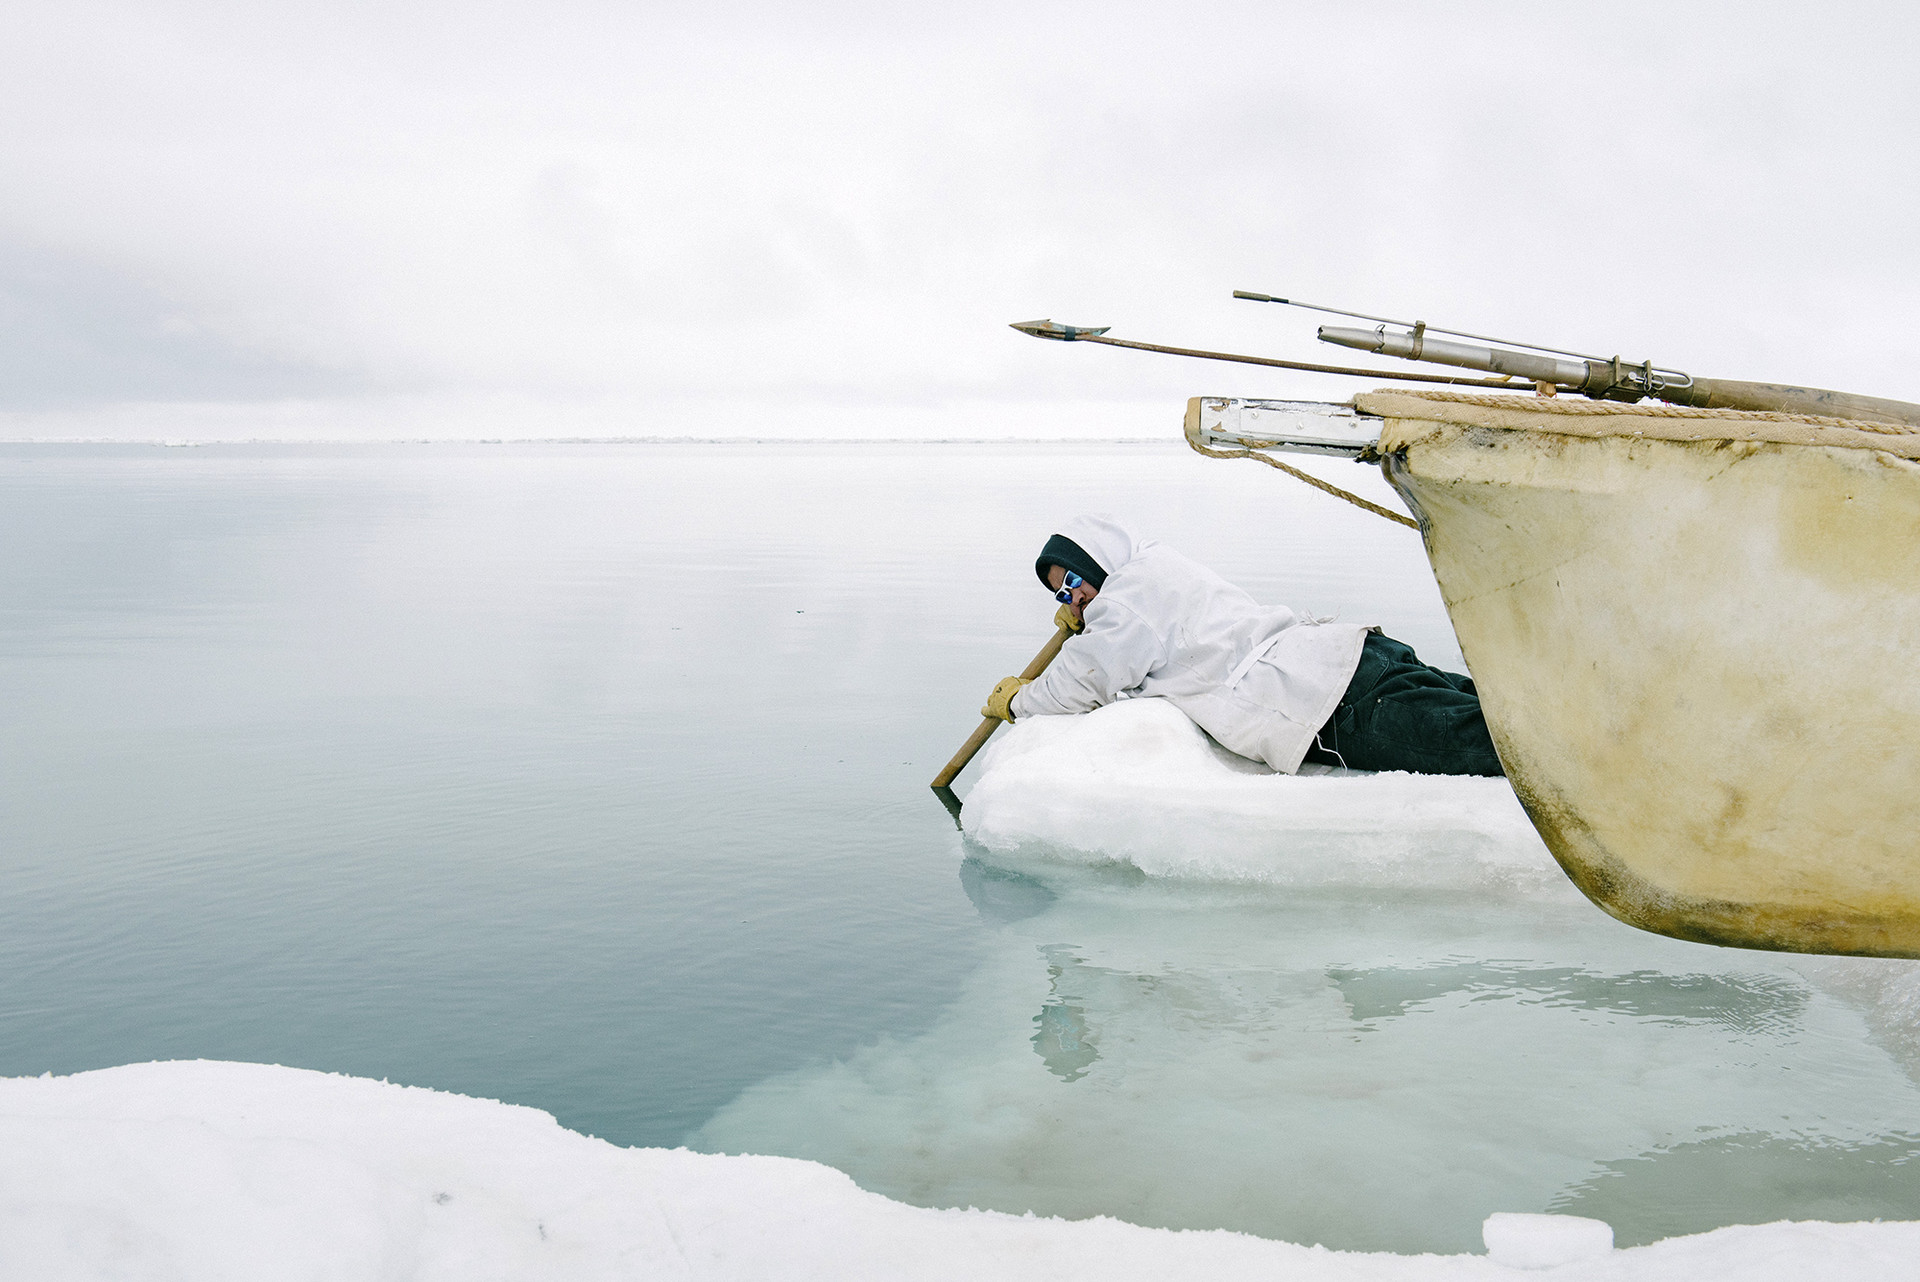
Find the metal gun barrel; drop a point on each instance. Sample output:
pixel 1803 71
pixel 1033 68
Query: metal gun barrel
pixel 1416 346
pixel 1617 381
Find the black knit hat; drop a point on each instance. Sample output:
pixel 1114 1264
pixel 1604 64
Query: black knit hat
pixel 1064 552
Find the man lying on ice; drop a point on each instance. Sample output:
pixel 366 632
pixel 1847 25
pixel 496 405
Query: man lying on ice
pixel 1262 681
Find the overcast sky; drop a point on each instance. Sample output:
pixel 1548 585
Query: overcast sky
pixel 553 219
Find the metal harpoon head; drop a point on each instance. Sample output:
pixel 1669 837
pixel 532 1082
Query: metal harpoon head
pixel 1065 333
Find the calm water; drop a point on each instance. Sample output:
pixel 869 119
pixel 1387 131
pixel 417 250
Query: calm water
pixel 593 778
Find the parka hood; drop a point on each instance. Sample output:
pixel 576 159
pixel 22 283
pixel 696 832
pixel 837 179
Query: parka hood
pixel 1103 538
pixel 1091 546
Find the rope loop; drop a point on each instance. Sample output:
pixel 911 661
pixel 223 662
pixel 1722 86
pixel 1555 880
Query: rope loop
pixel 1318 484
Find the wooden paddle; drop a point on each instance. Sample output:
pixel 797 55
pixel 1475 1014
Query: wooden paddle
pixel 988 725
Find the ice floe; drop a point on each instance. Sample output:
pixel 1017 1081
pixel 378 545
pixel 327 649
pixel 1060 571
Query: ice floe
pixel 1138 782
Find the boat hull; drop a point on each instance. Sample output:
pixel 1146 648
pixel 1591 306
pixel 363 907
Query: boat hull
pixel 1695 647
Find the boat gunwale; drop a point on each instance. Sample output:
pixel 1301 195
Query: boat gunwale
pixel 1403 408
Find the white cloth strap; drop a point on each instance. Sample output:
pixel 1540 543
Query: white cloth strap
pixel 1254 656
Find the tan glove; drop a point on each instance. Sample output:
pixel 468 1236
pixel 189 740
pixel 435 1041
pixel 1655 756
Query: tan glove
pixel 1002 696
pixel 1064 618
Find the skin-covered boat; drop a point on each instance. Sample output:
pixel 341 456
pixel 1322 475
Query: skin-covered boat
pixel 1695 633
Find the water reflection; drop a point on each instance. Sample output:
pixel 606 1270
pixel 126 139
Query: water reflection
pixel 1064 1042
pixel 1364 1069
pixel 1002 896
pixel 1743 1003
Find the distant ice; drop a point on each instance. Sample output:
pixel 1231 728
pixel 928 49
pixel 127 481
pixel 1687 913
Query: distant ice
pixel 217 1171
pixel 1138 782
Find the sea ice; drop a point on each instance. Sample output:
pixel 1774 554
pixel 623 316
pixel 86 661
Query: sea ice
pixel 1524 1241
pixel 1137 781
pixel 217 1171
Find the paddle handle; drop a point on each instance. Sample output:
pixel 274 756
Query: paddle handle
pixel 975 741
pixel 988 725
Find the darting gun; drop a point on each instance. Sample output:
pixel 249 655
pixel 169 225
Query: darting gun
pixel 1525 366
pixel 1601 378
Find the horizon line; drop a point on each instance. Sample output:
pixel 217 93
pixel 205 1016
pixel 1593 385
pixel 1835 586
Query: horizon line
pixel 174 443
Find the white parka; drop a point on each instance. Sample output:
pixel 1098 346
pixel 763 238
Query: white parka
pixel 1259 679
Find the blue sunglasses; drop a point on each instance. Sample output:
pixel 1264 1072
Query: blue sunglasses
pixel 1067 585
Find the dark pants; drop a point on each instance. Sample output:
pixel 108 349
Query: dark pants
pixel 1400 714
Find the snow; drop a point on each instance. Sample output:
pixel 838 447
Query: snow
pixel 1137 781
pixel 1523 1241
pixel 213 1171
